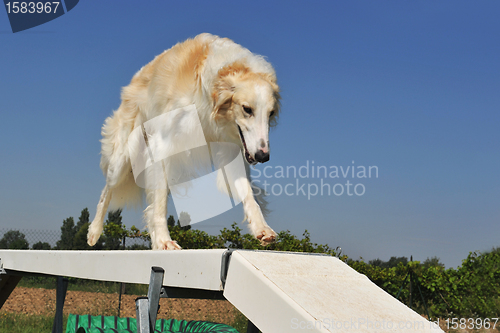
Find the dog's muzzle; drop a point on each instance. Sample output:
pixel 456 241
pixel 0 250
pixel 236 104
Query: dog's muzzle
pixel 262 157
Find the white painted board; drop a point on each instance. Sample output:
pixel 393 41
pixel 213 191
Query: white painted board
pixel 199 269
pixel 290 292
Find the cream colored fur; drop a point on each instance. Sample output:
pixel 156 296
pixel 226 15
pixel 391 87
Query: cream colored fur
pixel 237 99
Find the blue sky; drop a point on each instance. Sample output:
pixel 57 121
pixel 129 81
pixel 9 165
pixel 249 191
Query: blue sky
pixel 408 87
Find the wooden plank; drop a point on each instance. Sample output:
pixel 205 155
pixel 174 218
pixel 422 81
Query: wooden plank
pixel 287 292
pixel 198 269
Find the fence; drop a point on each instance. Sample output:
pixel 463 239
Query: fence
pixel 33 236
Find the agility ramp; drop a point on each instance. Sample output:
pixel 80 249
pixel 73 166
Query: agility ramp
pixel 276 291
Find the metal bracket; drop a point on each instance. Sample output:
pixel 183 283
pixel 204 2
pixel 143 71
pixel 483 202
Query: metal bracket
pixel 154 290
pixel 2 271
pixel 142 314
pixel 62 287
pixel 147 307
pixel 226 259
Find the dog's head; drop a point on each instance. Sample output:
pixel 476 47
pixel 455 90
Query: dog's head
pixel 248 103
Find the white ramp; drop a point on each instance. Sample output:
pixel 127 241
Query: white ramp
pixel 198 269
pixel 289 292
pixel 277 291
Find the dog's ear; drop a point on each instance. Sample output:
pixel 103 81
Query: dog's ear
pixel 224 86
pixel 222 96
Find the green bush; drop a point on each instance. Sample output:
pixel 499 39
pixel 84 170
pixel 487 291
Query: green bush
pixel 470 291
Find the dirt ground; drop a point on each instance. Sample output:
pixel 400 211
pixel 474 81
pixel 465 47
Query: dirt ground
pixel 43 301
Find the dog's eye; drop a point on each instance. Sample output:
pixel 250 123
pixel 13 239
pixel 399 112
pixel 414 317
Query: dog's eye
pixel 271 114
pixel 248 110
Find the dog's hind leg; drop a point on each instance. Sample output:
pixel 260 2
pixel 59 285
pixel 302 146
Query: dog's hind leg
pixel 95 229
pixel 155 215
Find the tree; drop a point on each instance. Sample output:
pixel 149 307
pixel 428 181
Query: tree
pixel 393 262
pixel 376 262
pixel 67 235
pixel 14 240
pixel 493 250
pixel 82 220
pixel 41 246
pixel 171 221
pixel 80 240
pixel 81 230
pixel 138 247
pixel 114 231
pixel 432 262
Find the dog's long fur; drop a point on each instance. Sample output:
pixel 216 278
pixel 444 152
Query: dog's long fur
pixel 237 99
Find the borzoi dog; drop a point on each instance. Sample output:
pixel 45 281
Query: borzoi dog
pixel 236 98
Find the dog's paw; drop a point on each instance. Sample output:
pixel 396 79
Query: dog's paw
pixel 171 245
pixel 266 236
pixel 93 235
pixel 167 245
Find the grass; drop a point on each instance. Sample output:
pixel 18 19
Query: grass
pixel 25 323
pixel 240 322
pixel 83 285
pixel 22 323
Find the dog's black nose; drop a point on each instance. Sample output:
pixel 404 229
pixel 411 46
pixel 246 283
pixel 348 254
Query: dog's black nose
pixel 262 157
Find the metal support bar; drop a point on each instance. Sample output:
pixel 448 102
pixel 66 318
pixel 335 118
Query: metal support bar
pixel 62 287
pixel 404 282
pixel 154 290
pixel 7 284
pixel 147 307
pixel 122 291
pixel 423 300
pixel 142 314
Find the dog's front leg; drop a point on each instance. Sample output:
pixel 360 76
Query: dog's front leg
pixel 156 214
pixel 258 226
